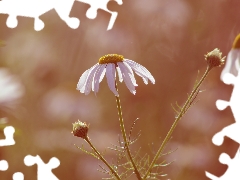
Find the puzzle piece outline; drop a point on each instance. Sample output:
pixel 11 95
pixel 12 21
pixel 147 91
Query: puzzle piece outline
pixel 8 132
pixel 231 76
pixel 44 170
pixel 63 9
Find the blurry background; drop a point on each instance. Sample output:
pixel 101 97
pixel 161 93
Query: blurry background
pixel 168 37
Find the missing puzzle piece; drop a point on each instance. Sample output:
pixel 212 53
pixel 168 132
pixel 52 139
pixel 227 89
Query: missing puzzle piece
pixel 36 8
pixel 101 4
pixel 3 165
pixel 232 173
pixel 44 171
pixel 8 133
pixel 231 131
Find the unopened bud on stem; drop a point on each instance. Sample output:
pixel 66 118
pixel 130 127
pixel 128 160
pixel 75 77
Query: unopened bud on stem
pixel 80 129
pixel 214 58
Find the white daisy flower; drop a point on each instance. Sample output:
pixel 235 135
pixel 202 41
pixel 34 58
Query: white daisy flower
pixel 233 61
pixel 108 65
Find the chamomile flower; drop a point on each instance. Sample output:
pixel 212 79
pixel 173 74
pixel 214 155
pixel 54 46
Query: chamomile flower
pixel 111 65
pixel 233 60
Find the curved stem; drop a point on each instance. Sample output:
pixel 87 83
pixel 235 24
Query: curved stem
pixel 102 158
pixel 125 136
pixel 183 110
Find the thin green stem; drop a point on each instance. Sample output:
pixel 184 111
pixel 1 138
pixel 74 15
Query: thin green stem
pixel 181 113
pixel 125 136
pixel 102 158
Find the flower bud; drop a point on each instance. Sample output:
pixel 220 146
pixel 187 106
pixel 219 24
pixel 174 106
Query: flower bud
pixel 214 58
pixel 80 129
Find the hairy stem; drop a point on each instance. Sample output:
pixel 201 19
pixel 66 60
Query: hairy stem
pixel 125 137
pixel 102 158
pixel 179 116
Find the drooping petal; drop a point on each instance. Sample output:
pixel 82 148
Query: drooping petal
pixel 97 77
pixel 103 74
pixel 90 79
pixel 145 79
pixel 131 74
pixel 231 67
pixel 83 79
pixel 119 74
pixel 126 77
pixel 110 73
pixel 138 70
pixel 141 71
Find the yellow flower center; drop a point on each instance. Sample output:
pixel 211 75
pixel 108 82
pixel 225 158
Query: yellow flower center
pixel 110 58
pixel 236 43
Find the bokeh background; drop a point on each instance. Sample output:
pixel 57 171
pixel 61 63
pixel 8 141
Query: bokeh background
pixel 168 37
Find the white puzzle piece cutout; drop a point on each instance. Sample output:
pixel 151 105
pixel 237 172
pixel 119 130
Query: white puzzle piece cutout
pixel 36 8
pixel 18 176
pixel 101 4
pixel 230 76
pixel 3 165
pixel 44 171
pixel 8 132
pixel 232 173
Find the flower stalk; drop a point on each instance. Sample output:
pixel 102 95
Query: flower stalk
pixel 213 59
pixel 80 129
pixel 102 158
pixel 179 116
pixel 126 142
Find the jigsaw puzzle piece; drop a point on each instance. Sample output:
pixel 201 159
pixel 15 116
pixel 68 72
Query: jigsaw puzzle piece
pixel 221 104
pixel 232 172
pixel 228 79
pixel 8 133
pixel 3 165
pixel 230 131
pixel 100 4
pixel 18 176
pixel 36 8
pixel 63 9
pixel 44 171
pixel 211 176
pixel 25 8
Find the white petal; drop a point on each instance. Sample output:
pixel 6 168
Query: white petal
pixel 83 79
pixel 141 71
pixel 103 74
pixel 138 70
pixel 110 73
pixel 97 77
pixel 230 65
pixel 145 79
pixel 119 74
pixel 126 77
pixel 130 72
pixel 90 79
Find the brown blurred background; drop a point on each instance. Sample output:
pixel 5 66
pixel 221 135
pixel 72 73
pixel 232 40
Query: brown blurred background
pixel 168 37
